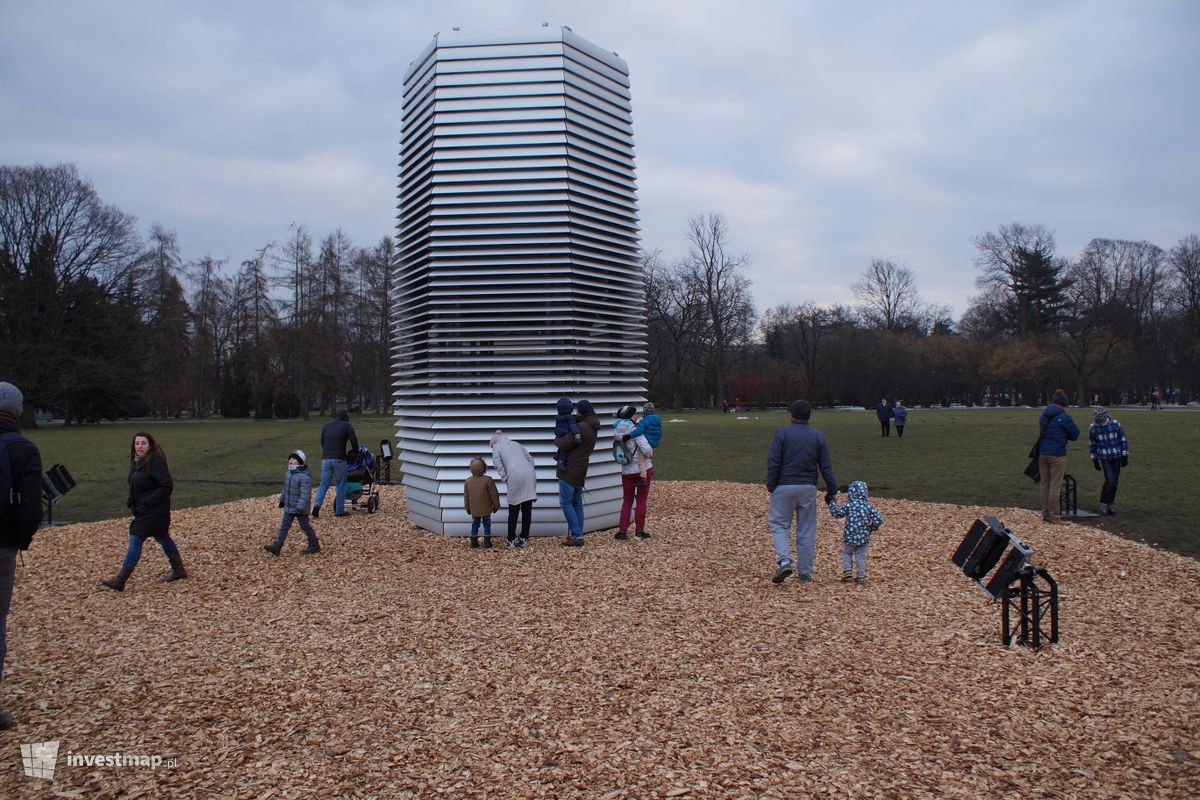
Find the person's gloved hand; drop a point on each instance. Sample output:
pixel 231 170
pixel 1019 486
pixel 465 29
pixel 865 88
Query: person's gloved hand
pixel 1096 464
pixel 281 504
pixel 830 496
pixel 1124 461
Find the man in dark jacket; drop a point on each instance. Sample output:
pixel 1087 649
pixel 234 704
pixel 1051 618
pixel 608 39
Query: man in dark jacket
pixel 885 413
pixel 21 506
pixel 335 436
pixel 573 472
pixel 1056 428
pixel 797 454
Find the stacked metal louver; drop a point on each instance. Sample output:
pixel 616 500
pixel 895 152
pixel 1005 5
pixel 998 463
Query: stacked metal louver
pixel 517 278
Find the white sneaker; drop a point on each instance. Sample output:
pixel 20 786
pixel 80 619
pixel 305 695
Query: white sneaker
pixel 1103 509
pixel 510 544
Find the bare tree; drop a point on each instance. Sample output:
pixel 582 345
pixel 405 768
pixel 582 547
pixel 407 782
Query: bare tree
pixel 888 293
pixel 167 316
pixel 675 322
pixel 716 277
pixel 210 327
pixel 1018 261
pixel 87 237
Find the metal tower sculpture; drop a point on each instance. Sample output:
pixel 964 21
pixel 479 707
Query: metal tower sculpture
pixel 518 277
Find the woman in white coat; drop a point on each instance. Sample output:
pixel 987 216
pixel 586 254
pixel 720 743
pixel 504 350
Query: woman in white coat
pixel 514 465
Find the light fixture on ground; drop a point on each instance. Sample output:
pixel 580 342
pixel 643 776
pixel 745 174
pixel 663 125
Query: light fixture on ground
pixel 981 551
pixel 56 482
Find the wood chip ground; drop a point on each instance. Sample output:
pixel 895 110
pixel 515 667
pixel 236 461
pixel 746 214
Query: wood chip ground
pixel 401 664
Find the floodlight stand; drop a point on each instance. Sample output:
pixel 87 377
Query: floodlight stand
pixel 1036 601
pixel 1068 499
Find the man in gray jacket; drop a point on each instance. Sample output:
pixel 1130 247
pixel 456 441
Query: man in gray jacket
pixel 797 453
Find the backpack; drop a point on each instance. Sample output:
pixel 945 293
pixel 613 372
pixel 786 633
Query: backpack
pixel 8 497
pixel 621 453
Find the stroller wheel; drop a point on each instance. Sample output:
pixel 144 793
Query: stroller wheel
pixel 372 505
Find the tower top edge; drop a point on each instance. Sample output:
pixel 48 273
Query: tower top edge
pixel 457 37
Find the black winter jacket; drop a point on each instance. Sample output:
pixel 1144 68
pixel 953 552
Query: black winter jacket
pixel 150 499
pixel 22 520
pixel 334 436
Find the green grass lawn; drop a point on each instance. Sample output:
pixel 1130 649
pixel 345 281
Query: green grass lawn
pixel 965 456
pixel 212 460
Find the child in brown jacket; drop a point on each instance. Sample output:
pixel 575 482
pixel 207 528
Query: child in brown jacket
pixel 481 500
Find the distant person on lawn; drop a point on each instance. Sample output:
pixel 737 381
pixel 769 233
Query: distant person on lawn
pixel 1109 450
pixel 1056 428
pixel 797 454
pixel 336 435
pixel 900 417
pixel 884 412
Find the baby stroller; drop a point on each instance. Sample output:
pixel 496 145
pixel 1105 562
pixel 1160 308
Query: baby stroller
pixel 362 473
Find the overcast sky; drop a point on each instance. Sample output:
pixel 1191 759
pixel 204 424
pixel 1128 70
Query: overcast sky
pixel 828 133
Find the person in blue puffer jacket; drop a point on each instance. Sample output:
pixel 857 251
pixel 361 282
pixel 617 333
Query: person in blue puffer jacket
pixel 1056 428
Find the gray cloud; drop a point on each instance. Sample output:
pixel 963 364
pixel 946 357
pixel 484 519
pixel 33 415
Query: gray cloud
pixel 828 133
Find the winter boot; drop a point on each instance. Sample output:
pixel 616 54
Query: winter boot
pixel 474 542
pixel 178 573
pixel 487 543
pixel 273 548
pixel 117 582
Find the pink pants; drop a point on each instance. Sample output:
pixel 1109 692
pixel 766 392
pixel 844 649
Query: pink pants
pixel 630 490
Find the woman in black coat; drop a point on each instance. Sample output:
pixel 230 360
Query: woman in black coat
pixel 150 501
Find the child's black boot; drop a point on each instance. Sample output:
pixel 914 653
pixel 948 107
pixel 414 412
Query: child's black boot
pixel 474 542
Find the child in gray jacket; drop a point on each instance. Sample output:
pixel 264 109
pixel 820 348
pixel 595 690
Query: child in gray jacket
pixel 294 500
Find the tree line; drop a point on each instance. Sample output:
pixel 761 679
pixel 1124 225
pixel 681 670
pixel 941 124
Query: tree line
pixel 98 321
pixel 1120 321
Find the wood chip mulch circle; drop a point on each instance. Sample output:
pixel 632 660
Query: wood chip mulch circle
pixel 401 664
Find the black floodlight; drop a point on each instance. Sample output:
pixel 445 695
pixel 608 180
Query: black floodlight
pixel 56 482
pixel 981 550
pixel 385 450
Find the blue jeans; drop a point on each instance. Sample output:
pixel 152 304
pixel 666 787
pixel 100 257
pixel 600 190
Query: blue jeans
pixel 134 554
pixel 487 526
pixel 799 502
pixel 333 471
pixel 570 500
pixel 8 571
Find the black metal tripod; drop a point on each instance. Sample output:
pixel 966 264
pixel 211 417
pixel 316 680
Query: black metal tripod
pixel 1035 602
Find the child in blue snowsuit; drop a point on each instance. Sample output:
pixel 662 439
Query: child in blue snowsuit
pixel 564 423
pixel 861 519
pixel 650 426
